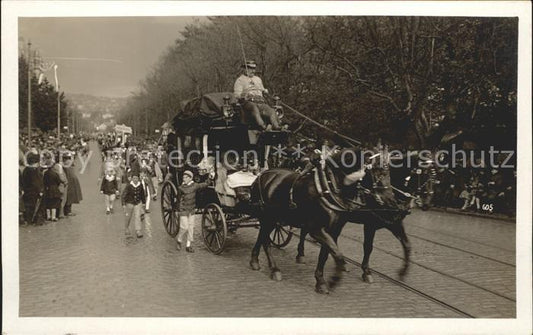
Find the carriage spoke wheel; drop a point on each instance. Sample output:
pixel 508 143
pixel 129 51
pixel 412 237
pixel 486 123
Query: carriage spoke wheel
pixel 280 236
pixel 214 228
pixel 169 200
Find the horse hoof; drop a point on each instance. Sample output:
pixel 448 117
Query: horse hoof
pixel 322 289
pixel 368 278
pixel 334 281
pixel 255 266
pixel 402 274
pixel 276 275
pixel 300 259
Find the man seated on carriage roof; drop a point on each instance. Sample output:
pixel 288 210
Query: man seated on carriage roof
pixel 249 90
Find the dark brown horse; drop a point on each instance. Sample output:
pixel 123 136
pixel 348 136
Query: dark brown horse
pixel 286 197
pixel 381 207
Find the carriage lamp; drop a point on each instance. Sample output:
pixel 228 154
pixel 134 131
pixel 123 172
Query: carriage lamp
pixel 227 110
pixel 278 107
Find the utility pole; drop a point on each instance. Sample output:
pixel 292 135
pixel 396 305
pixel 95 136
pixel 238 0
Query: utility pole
pixel 29 92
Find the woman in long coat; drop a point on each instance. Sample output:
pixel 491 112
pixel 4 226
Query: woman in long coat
pixel 74 195
pixel 52 194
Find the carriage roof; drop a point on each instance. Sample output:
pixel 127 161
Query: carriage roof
pixel 201 113
pixel 205 115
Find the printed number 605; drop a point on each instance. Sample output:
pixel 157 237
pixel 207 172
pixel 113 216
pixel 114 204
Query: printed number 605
pixel 488 207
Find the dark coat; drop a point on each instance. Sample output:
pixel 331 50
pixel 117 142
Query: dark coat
pixel 32 182
pixel 74 195
pixel 133 195
pixel 134 167
pixel 187 197
pixel 52 194
pixel 172 141
pixel 109 186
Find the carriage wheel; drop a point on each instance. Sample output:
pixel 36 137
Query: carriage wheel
pixel 214 228
pixel 280 236
pixel 169 200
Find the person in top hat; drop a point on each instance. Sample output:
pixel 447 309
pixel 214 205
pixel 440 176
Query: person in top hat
pixel 32 188
pixel 249 90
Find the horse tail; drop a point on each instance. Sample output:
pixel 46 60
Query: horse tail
pixel 256 193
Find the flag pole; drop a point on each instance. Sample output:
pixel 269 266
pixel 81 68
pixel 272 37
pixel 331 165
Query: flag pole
pixel 58 114
pixel 29 93
pixel 58 104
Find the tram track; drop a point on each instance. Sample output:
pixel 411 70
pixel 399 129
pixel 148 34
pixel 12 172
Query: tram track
pixel 402 284
pixel 434 270
pixel 461 238
pixel 462 250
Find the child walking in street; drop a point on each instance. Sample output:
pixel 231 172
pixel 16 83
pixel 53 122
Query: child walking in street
pixel 109 189
pixel 148 187
pixel 133 198
pixel 187 205
pixel 154 171
pixel 119 171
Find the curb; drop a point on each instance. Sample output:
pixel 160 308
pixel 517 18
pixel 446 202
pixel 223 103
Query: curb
pixel 500 217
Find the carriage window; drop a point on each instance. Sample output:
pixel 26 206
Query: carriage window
pixel 198 142
pixel 187 142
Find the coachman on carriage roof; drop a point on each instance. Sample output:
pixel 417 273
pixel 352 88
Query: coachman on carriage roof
pixel 249 90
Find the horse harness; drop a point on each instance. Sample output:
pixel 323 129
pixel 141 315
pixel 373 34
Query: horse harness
pixel 327 197
pixel 326 187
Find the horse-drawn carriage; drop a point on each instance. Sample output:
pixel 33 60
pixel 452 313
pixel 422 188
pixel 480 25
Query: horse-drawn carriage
pixel 213 140
pixel 320 202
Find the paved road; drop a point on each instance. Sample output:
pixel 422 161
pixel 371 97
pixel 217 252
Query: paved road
pixel 84 266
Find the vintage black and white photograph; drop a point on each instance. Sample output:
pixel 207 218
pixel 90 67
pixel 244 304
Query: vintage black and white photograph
pixel 288 169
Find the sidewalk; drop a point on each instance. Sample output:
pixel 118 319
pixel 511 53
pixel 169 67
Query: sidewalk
pixel 496 216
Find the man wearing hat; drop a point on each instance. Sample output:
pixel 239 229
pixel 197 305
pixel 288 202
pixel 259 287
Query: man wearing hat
pixel 32 188
pixel 74 195
pixel 249 89
pixel 186 207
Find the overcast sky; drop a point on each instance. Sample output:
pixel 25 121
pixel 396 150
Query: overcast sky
pixel 116 52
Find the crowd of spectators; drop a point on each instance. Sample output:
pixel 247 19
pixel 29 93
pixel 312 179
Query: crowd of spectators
pixel 48 182
pixel 472 185
pixel 134 156
pixel 49 185
pixel 485 190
